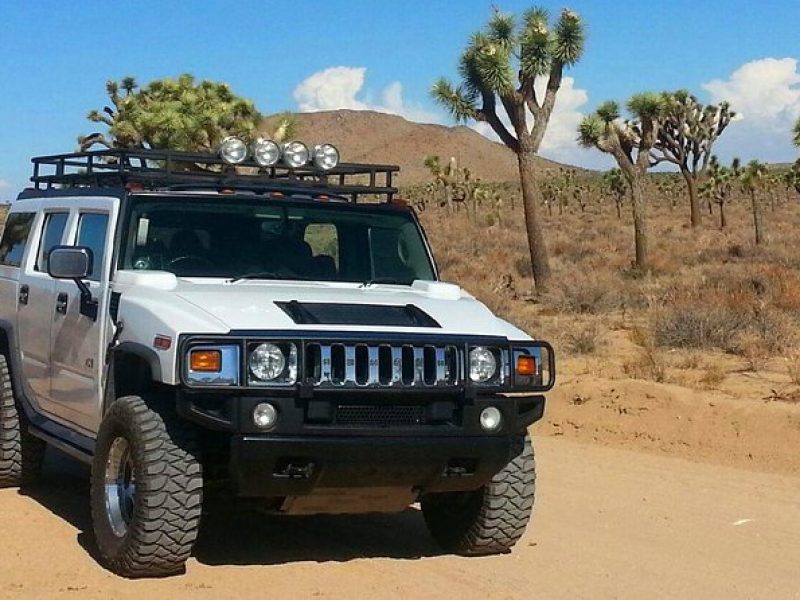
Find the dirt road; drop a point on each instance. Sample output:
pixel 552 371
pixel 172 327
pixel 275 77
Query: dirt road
pixel 610 523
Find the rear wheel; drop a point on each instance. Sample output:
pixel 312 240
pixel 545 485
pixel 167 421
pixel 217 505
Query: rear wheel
pixel 146 491
pixel 490 520
pixel 21 454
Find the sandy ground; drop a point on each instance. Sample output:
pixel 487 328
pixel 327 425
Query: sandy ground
pixel 609 523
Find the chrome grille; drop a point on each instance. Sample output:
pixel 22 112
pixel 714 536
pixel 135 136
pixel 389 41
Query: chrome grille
pixel 381 365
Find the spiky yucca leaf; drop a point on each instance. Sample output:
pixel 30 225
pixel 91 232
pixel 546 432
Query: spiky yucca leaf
pixel 608 111
pixel 647 105
pixel 501 29
pixel 797 133
pixel 591 130
pixel 456 100
pixel 570 37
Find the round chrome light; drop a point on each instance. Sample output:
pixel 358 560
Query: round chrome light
pixel 233 150
pixel 267 362
pixel 295 154
pixel 482 364
pixel 266 152
pixel 326 156
pixel 491 418
pixel 265 415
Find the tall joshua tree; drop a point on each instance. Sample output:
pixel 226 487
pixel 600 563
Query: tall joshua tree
pixel 686 137
pixel 796 132
pixel 719 183
pixel 499 69
pixel 753 178
pixel 630 143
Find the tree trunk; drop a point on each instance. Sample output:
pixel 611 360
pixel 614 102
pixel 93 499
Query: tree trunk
pixel 640 224
pixel 723 222
pixel 694 203
pixel 758 222
pixel 530 203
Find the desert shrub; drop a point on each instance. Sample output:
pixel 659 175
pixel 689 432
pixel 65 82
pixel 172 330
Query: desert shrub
pixel 584 294
pixel 583 339
pixel 712 377
pixel 698 327
pixel 648 364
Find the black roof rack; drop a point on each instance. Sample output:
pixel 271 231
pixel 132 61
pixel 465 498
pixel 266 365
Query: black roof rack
pixel 165 170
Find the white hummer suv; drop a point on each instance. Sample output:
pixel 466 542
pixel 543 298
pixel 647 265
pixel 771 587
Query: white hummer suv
pixel 267 321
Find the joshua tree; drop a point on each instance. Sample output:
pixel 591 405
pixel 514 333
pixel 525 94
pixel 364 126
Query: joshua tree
pixel 499 69
pixel 753 177
pixel 630 143
pixel 686 136
pixel 178 114
pixel 667 186
pixel 615 183
pixel 796 132
pixel 718 184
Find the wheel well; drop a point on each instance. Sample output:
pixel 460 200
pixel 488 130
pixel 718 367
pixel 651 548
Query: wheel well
pixel 5 347
pixel 131 375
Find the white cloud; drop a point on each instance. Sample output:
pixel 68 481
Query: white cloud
pixel 766 94
pixel 559 140
pixel 343 87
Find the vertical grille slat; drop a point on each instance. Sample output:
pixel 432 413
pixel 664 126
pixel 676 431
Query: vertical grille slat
pixel 381 365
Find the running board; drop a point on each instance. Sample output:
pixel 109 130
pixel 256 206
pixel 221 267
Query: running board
pixel 65 447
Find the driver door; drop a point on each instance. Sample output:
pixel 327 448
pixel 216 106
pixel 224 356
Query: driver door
pixel 78 342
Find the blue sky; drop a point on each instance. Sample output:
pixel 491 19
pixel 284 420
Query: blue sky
pixel 57 56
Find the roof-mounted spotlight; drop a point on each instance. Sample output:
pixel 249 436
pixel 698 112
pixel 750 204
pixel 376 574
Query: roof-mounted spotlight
pixel 233 150
pixel 266 152
pixel 326 156
pixel 295 154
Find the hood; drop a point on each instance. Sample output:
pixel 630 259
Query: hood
pixel 253 305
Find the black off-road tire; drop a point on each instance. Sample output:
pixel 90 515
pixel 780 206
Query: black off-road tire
pixel 21 454
pixel 165 517
pixel 490 520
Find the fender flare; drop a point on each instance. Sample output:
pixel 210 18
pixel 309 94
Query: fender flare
pixel 146 354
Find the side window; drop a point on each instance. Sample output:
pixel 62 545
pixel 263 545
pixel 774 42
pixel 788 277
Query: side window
pixel 54 225
pixel 324 240
pixel 92 231
pixel 15 236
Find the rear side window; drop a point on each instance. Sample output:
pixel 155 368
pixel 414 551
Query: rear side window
pixel 54 225
pixel 15 236
pixel 92 228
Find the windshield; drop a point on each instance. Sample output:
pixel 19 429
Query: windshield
pixel 239 237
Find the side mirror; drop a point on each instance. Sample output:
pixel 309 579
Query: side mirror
pixel 69 262
pixel 74 262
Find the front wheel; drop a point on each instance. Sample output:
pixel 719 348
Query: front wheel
pixel 146 489
pixel 490 520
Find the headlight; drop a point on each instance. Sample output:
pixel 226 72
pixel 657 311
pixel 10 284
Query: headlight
pixel 295 154
pixel 233 150
pixel 482 364
pixel 326 157
pixel 266 152
pixel 273 363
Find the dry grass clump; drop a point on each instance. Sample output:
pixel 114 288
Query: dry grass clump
pixel 583 339
pixel 648 364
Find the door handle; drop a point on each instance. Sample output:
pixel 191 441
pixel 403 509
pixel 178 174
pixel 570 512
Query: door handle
pixel 61 303
pixel 24 293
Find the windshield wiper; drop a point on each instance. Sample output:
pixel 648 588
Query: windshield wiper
pixel 264 275
pixel 387 281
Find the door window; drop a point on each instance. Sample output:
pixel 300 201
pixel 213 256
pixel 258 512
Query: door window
pixel 92 230
pixel 54 225
pixel 15 236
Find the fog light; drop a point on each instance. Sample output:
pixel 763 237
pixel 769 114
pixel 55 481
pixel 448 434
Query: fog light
pixel 265 415
pixel 491 419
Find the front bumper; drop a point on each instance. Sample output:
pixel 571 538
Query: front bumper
pixel 281 466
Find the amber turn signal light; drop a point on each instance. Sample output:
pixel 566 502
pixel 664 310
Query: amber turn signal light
pixel 205 361
pixel 526 366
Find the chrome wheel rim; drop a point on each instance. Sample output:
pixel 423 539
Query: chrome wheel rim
pixel 120 487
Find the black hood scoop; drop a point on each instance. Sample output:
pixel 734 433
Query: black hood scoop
pixel 329 313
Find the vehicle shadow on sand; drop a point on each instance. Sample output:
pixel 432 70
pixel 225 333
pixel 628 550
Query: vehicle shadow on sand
pixel 233 535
